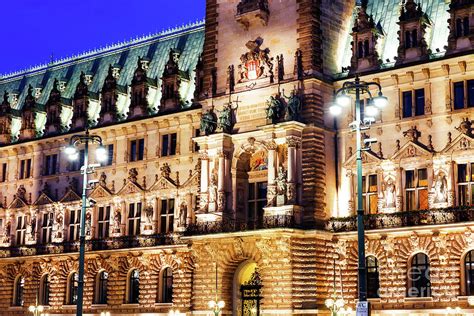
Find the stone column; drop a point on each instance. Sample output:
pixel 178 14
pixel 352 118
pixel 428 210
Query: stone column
pixel 271 174
pixel 203 207
pixel 299 173
pixel 221 183
pixel 189 204
pixel 291 171
pixel 399 202
pixel 451 183
pixel 352 193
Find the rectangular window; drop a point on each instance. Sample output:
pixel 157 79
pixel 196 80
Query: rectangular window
pixel 20 230
pixel 168 145
pixel 420 102
pixel 3 176
pixel 103 222
pixel 257 194
pixel 416 189
pixel 470 93
pixel 51 164
pixel 74 224
pixel 134 215
pixel 407 104
pixel 167 216
pixel 25 169
pixel 46 227
pixel 110 155
pixel 78 163
pixel 137 149
pixel 458 88
pixel 369 194
pixel 465 184
pixel 197 133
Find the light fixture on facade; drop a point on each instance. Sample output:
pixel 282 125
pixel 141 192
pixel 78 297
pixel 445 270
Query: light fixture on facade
pixel 174 312
pixel 104 313
pixel 101 154
pixel 380 101
pixel 335 109
pixel 216 305
pixel 36 309
pixel 343 100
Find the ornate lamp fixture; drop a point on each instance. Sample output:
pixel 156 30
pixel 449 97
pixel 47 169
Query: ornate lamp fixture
pixel 216 306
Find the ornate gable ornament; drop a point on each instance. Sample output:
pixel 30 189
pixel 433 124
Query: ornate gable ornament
pixel 193 180
pixel 100 192
pixel 70 196
pixel 413 148
pixel 164 182
pixel 131 185
pixel 256 63
pixel 368 157
pixel 19 199
pixel 464 141
pixel 43 199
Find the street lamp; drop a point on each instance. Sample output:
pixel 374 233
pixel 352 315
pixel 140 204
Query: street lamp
pixel 36 309
pixel 73 154
pixel 216 306
pixel 376 103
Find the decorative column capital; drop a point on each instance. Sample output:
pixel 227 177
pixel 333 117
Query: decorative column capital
pixel 293 141
pixel 203 155
pixel 271 145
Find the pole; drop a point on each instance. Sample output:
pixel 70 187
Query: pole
pixel 82 237
pixel 360 208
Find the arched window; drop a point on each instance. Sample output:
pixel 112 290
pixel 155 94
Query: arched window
pixel 373 283
pixel 101 287
pixel 44 290
pixel 133 287
pixel 166 286
pixel 73 283
pixel 419 276
pixel 18 289
pixel 469 272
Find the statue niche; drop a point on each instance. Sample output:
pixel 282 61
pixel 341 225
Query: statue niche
pixel 140 88
pixel 80 102
pixel 461 36
pixel 110 92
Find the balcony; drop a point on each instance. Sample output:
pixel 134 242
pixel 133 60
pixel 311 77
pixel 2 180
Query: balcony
pixel 230 225
pixel 404 219
pixel 124 242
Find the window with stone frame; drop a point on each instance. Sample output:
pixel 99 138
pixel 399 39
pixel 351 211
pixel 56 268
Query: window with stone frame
pixel 74 224
pixel 136 150
pixel 3 175
pixel 463 94
pixel 257 200
pixel 167 216
pixel 465 184
pixel 103 222
pixel 46 227
pixel 373 278
pixel 413 103
pixel 44 290
pixel 168 144
pixel 101 285
pixel 133 287
pixel 20 229
pixel 369 194
pixel 18 291
pixel 416 189
pixel 50 165
pixel 419 283
pixel 166 286
pixel 24 171
pixel 469 273
pixel 462 26
pixel 134 217
pixel 73 284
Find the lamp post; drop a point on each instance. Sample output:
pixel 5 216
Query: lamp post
pixel 216 306
pixel 73 154
pixel 343 99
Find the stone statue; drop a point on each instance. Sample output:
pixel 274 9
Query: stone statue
pixel 103 180
pixel 389 193
pixel 165 170
pixel 293 107
pixel 440 189
pixel 33 225
pixel 208 122
pixel 281 181
pixel 149 214
pixel 225 119
pixel 183 213
pixel 274 109
pixel 133 175
pixel 7 232
pixel 213 189
pixel 117 221
pixel 88 224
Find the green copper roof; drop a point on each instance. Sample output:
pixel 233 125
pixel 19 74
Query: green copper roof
pixel 387 13
pixel 188 41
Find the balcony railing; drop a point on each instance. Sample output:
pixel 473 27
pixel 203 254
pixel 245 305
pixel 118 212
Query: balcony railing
pixel 404 219
pixel 123 242
pixel 231 225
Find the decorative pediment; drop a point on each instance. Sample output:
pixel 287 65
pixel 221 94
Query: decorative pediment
pixel 412 149
pixel 43 199
pixel 193 180
pixel 367 157
pixel 163 183
pixel 70 196
pixel 18 203
pixel 461 142
pixel 100 192
pixel 130 187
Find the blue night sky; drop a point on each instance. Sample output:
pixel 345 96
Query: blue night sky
pixel 34 29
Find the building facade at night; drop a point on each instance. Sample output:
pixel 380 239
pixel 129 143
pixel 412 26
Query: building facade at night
pixel 223 154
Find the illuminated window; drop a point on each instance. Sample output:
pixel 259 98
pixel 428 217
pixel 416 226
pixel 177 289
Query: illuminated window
pixel 416 189
pixel 373 283
pixel 74 224
pixel 134 216
pixel 465 184
pixel 257 200
pixel 469 272
pixel 133 287
pixel 369 194
pixel 18 290
pixel 167 216
pixel 25 169
pixel 103 222
pixel 46 227
pixel 419 284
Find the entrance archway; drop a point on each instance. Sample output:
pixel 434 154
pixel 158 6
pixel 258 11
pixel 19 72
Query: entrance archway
pixel 247 290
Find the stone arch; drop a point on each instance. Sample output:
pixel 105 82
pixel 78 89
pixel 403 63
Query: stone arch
pixel 242 274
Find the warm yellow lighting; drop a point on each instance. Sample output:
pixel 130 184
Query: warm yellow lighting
pixel 335 110
pixel 343 100
pixel 221 304
pixel 31 309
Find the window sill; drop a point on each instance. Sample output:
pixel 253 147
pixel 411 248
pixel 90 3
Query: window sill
pixel 98 306
pixel 419 299
pixel 16 308
pixel 158 304
pixel 374 300
pixel 131 305
pixel 69 306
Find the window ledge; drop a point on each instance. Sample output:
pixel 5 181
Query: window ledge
pixel 98 306
pixel 65 306
pixel 132 305
pixel 419 299
pixel 163 304
pixel 374 300
pixel 16 308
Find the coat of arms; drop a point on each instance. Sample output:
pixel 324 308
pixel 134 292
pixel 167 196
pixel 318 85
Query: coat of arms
pixel 255 63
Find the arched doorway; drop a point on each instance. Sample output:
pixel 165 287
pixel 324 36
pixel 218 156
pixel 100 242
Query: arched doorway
pixel 247 290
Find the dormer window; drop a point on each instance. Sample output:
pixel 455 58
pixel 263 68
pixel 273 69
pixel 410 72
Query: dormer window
pixel 411 38
pixel 363 48
pixel 462 27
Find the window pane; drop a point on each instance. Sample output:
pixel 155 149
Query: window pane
pixel 410 179
pixel 410 200
pixel 364 184
pixel 173 144
pixel 422 178
pixel 470 93
pixel 373 183
pixel 420 102
pixel 462 173
pixel 423 199
pixel 164 145
pixel 110 154
pixel 373 203
pixel 458 95
pixel 261 190
pixel 141 148
pixel 252 191
pixel 462 195
pixel 133 151
pixel 407 104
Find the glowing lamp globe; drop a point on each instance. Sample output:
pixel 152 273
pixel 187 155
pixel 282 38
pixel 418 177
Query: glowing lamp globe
pixel 101 154
pixel 335 110
pixel 343 100
pixel 70 150
pixel 371 111
pixel 380 101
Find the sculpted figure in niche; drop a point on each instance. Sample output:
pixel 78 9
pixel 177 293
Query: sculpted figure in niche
pixel 149 214
pixel 183 213
pixel 440 188
pixel 390 194
pixel 117 221
pixel 88 224
pixel 213 189
pixel 281 181
pixel 7 232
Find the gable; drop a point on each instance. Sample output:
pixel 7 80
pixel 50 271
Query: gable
pixel 18 203
pixel 130 188
pixel 43 199
pixel 461 142
pixel 164 184
pixel 100 192
pixel 410 150
pixel 193 180
pixel 368 156
pixel 70 196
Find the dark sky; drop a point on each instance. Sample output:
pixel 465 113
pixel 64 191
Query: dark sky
pixel 31 30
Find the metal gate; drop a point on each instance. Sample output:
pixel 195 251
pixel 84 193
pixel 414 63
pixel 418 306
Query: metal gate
pixel 250 295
